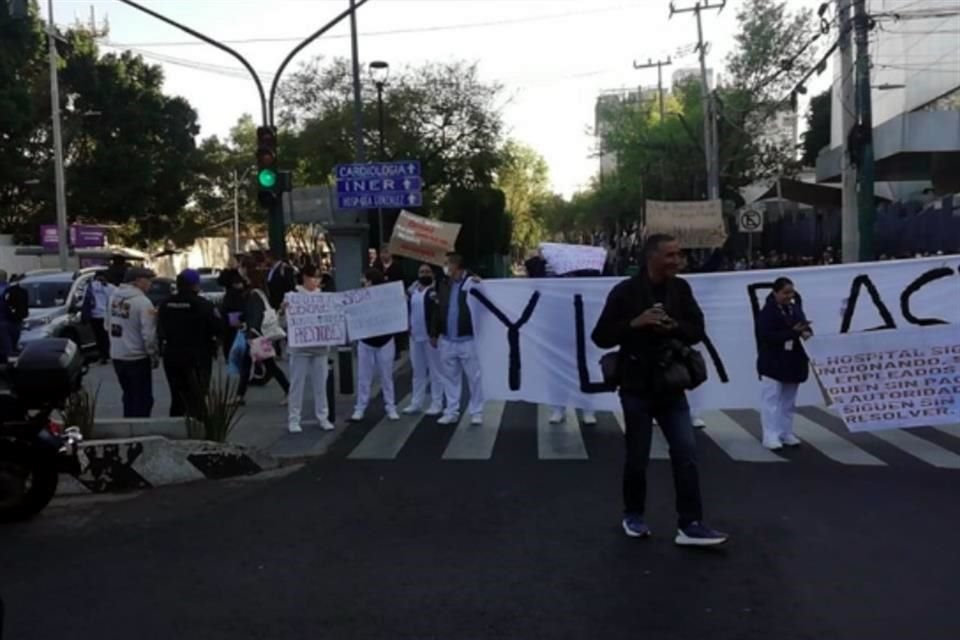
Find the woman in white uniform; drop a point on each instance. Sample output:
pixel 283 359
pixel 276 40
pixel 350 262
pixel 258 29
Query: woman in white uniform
pixel 308 361
pixel 424 357
pixel 375 356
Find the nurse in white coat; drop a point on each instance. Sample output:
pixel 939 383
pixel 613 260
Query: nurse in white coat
pixel 308 362
pixel 424 357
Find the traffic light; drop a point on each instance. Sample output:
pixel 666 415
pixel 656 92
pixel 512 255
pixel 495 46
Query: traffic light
pixel 267 166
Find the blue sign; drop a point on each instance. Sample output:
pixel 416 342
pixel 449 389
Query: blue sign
pixel 379 184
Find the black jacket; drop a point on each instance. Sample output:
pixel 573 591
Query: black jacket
pixel 393 273
pixel 282 282
pixel 640 348
pixel 775 359
pixel 439 327
pixel 187 326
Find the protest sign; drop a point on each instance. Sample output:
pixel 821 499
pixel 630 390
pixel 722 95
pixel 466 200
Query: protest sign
pixel 567 258
pixel 315 320
pixel 891 379
pixel 375 311
pixel 696 224
pixel 423 239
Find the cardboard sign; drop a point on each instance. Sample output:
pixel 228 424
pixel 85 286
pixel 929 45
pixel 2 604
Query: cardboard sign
pixel 567 258
pixel 697 224
pixel 423 239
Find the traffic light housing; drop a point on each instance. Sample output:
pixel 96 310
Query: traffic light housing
pixel 267 181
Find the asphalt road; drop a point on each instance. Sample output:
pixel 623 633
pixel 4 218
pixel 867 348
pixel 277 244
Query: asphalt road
pixel 514 546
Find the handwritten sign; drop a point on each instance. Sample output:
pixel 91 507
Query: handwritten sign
pixel 696 224
pixel 567 258
pixel 891 379
pixel 375 311
pixel 315 320
pixel 423 239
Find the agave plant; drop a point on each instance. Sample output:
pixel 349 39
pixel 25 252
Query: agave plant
pixel 221 410
pixel 81 411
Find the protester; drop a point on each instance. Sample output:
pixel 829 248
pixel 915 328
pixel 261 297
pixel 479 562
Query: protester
pixel 187 329
pixel 781 362
pixel 646 317
pixel 391 269
pixel 133 341
pixel 232 307
pixel 375 357
pixel 281 279
pixel 14 308
pixel 424 357
pixel 452 331
pixel 256 309
pixel 116 272
pixel 98 295
pixel 308 361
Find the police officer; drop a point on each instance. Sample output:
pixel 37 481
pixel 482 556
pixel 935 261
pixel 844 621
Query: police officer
pixel 188 327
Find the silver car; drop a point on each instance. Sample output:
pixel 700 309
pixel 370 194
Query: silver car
pixel 55 301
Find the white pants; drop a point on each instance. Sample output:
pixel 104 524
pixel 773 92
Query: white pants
pixel 778 402
pixel 371 361
pixel 427 369
pixel 303 364
pixel 460 358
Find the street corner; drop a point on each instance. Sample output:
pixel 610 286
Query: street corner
pixel 129 464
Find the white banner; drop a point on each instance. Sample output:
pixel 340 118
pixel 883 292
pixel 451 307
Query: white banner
pixel 315 319
pixel 891 379
pixel 696 224
pixel 548 357
pixel 567 258
pixel 375 311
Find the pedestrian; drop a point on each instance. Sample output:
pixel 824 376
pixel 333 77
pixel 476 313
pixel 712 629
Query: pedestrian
pixel 781 362
pixel 281 280
pixel 308 361
pixel 391 269
pixel 452 332
pixel 133 341
pixel 99 293
pixel 257 321
pixel 187 329
pixel 424 357
pixel 116 272
pixel 375 357
pixel 14 309
pixel 650 317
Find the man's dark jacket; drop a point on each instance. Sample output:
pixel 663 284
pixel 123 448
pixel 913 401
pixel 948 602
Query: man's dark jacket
pixel 464 322
pixel 188 327
pixel 641 348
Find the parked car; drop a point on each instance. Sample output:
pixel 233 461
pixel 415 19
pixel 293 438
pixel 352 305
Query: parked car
pixel 211 289
pixel 161 289
pixel 54 301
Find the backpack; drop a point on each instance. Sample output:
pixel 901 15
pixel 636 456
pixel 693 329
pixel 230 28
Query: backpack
pixel 16 302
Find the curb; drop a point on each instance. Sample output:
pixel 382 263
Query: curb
pixel 126 464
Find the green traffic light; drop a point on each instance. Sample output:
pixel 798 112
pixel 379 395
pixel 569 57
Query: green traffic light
pixel 267 178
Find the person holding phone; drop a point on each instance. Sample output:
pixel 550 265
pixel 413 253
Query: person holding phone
pixel 781 362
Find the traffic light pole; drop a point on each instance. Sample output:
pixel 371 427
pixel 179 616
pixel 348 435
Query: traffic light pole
pixel 866 206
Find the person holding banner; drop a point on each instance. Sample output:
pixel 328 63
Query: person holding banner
pixel 452 330
pixel 781 362
pixel 654 320
pixel 375 355
pixel 424 357
pixel 310 361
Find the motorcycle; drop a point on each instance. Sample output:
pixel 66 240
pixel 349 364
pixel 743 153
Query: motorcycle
pixel 34 449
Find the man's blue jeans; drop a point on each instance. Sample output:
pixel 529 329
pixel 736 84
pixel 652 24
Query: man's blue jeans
pixel 672 413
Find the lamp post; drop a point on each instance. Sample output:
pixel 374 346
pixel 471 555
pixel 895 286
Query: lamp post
pixel 379 72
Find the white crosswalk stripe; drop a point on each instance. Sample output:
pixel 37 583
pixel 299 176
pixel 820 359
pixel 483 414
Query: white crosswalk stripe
pixel 659 449
pixel 475 442
pixel 387 438
pixel 949 429
pixel 920 448
pixel 830 444
pixel 736 440
pixel 559 441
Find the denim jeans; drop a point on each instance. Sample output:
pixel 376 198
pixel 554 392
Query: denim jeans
pixel 136 381
pixel 673 415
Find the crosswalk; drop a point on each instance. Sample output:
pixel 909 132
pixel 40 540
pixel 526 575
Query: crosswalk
pixel 735 435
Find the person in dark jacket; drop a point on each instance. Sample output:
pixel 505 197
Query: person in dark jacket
pixel 187 327
pixel 252 324
pixel 281 280
pixel 375 357
pixel 781 362
pixel 424 357
pixel 387 265
pixel 452 331
pixel 642 315
pixel 232 306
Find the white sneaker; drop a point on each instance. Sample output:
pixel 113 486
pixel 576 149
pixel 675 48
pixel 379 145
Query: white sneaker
pixel 410 410
pixel 557 416
pixel 326 425
pixel 589 418
pixel 773 445
pixel 476 420
pixel 449 418
pixel 434 411
pixel 790 440
pixel 698 423
pixel 357 416
pixel 293 427
pixel 393 415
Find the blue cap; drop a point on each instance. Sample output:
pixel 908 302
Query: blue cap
pixel 190 277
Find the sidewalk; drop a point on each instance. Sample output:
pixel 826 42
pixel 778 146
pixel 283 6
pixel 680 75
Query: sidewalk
pixel 263 421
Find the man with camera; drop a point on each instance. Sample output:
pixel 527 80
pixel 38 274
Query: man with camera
pixel 654 320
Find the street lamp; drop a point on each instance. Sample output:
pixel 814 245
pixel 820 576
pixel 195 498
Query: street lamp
pixel 379 72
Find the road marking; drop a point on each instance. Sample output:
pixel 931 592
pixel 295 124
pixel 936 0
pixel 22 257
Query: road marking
pixel 735 440
pixel 558 441
pixel 659 449
pixel 472 442
pixel 919 448
pixel 385 440
pixel 830 444
pixel 949 429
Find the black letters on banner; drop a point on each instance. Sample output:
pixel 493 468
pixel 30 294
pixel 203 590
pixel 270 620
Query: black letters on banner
pixel 513 333
pixel 916 285
pixel 859 282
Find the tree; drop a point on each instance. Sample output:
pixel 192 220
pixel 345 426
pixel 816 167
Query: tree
pixel 817 135
pixel 523 176
pixel 486 226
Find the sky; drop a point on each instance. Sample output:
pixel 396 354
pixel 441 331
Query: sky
pixel 552 56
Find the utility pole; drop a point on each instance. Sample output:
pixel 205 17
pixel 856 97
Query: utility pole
pixel 865 168
pixel 710 142
pixel 849 231
pixel 58 175
pixel 659 64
